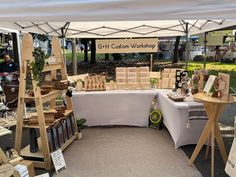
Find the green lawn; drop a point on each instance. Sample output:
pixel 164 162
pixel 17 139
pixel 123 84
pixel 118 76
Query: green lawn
pixel 215 67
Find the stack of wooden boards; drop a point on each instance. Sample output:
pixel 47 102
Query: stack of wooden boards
pixel 168 78
pixel 132 78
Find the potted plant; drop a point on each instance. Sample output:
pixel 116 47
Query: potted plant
pixel 81 125
pixel 153 82
pixel 37 66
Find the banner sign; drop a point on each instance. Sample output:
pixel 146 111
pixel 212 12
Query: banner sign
pixel 144 45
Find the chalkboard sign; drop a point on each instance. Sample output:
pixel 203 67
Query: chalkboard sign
pixel 58 160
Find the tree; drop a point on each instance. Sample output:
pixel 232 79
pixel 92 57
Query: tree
pixel 176 50
pixel 106 56
pixel 85 45
pixel 93 51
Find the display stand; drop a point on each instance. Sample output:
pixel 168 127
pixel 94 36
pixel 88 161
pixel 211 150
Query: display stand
pixel 41 158
pixel 214 107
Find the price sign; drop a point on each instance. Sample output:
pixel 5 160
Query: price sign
pixel 58 160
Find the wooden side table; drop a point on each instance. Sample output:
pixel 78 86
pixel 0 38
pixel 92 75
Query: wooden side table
pixel 214 107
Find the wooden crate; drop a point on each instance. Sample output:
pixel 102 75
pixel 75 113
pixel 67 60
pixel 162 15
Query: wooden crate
pixel 171 83
pixel 143 69
pixel 165 75
pixel 144 80
pixel 120 69
pixel 120 74
pixel 120 86
pixel 132 69
pixel 166 70
pixel 145 86
pixel 133 86
pixel 155 74
pixel 165 83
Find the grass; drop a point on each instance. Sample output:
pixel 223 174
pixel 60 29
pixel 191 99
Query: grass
pixel 215 67
pixel 80 56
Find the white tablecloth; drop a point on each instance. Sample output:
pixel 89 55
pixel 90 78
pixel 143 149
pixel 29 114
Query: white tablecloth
pixel 114 107
pixel 175 118
pixel 132 107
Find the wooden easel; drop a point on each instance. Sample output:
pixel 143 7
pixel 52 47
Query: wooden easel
pixel 44 152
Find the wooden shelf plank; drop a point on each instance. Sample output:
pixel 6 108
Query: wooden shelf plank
pixel 48 97
pixel 66 144
pixel 25 152
pixel 67 113
pixel 52 67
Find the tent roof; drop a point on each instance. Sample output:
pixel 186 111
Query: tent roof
pixel 115 10
pixel 117 18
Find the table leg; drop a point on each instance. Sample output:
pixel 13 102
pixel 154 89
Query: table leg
pixel 205 134
pixel 212 148
pixel 208 147
pixel 220 143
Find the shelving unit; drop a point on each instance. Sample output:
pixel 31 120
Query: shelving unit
pixel 42 158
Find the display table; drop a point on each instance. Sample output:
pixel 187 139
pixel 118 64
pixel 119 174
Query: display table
pixel 175 118
pixel 114 107
pixel 214 107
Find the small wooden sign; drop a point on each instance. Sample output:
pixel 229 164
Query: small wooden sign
pixel 223 82
pixel 58 160
pixel 209 83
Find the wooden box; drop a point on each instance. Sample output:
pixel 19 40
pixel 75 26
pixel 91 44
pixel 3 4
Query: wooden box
pixel 145 86
pixel 132 69
pixel 166 70
pixel 121 69
pixel 165 75
pixel 143 69
pixel 29 165
pixel 120 86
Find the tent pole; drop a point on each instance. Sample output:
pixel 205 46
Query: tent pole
pixel 63 46
pixel 151 62
pixel 186 48
pixel 74 56
pixel 205 43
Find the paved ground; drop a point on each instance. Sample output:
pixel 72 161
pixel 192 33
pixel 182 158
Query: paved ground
pixel 227 120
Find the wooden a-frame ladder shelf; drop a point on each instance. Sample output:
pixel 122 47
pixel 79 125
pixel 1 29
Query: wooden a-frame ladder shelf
pixel 41 158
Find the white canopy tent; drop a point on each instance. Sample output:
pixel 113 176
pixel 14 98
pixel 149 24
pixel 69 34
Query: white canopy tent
pixel 117 18
pixel 120 29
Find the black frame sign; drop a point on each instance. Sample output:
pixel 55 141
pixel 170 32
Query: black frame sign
pixel 144 45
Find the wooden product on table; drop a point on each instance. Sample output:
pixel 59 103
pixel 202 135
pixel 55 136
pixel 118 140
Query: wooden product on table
pixel 95 83
pixel 214 108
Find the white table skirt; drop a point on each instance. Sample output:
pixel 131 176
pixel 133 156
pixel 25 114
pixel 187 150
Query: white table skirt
pixel 175 118
pixel 132 107
pixel 114 107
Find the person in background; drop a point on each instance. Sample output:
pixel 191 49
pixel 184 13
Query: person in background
pixel 8 69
